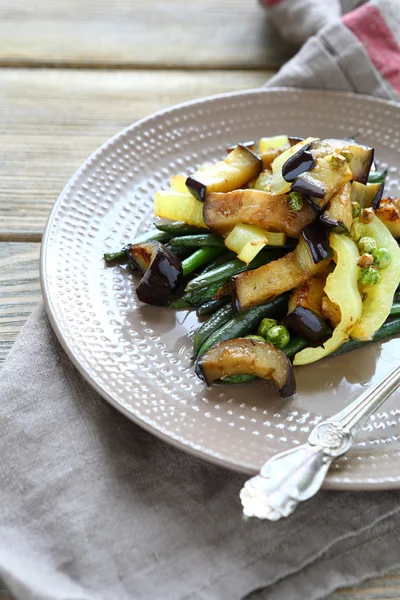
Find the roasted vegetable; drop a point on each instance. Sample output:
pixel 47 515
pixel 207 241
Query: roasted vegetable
pixel 338 216
pixel 377 176
pixel 246 322
pixel 342 288
pixel 265 325
pixel 248 240
pixel 388 329
pixel 331 311
pixel 233 172
pixel 278 335
pixel 304 316
pixel 378 299
pixel 161 270
pixel 254 207
pixel 300 162
pixel 276 142
pixel 321 183
pixel 178 183
pixel 223 273
pixel 389 213
pixel 121 256
pixel 358 157
pixel 310 257
pixel 367 195
pixel 179 206
pixel 278 184
pixel 309 295
pixel 198 241
pixel 177 228
pixel 307 324
pixel 211 306
pixel 250 145
pixel 243 356
pixel 222 316
pixel 199 258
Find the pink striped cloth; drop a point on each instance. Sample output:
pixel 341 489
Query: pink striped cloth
pixel 349 46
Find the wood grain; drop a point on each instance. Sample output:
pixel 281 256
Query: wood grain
pixel 20 292
pixel 52 120
pixel 150 33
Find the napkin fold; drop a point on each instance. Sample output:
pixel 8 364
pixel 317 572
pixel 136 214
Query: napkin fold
pixel 95 508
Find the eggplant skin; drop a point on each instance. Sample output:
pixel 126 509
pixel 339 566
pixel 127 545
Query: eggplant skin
pixel 378 197
pixel 162 272
pixel 318 242
pixel 240 356
pixel 307 324
pixel 310 257
pixel 222 211
pixel 309 295
pixel 298 163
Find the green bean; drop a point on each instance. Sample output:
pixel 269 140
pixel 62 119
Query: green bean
pixel 226 271
pixel 395 310
pixel 236 379
pixel 179 251
pixel 149 236
pixel 377 176
pixel 388 329
pixel 211 306
pixel 201 241
pixel 295 345
pixel 217 262
pixel 180 303
pixel 222 316
pixel 199 258
pixel 246 322
pixel 175 228
pixel 198 297
pixel 119 257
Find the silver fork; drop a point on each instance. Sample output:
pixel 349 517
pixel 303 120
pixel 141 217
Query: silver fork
pixel 296 475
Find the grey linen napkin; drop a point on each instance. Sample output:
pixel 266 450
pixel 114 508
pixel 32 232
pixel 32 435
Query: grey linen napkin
pixel 95 508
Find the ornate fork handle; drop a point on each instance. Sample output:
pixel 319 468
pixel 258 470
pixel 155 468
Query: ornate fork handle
pixel 296 475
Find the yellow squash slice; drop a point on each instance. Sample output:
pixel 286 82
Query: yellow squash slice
pixel 341 288
pixel 248 240
pixel 379 298
pixel 179 206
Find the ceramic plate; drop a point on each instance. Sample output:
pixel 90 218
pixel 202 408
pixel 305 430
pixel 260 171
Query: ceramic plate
pixel 138 356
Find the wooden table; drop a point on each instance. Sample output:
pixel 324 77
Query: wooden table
pixel 73 73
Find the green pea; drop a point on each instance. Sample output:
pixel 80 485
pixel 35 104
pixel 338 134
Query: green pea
pixel 265 326
pixel 369 276
pixel 255 337
pixel 382 258
pixel 357 231
pixel 278 336
pixel 336 160
pixel 347 155
pixel 295 200
pixel 366 245
pixel 355 209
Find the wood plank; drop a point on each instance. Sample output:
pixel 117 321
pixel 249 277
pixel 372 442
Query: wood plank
pixel 52 120
pixel 20 292
pixel 152 33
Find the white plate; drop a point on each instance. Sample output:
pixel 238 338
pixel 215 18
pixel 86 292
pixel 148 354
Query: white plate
pixel 138 356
